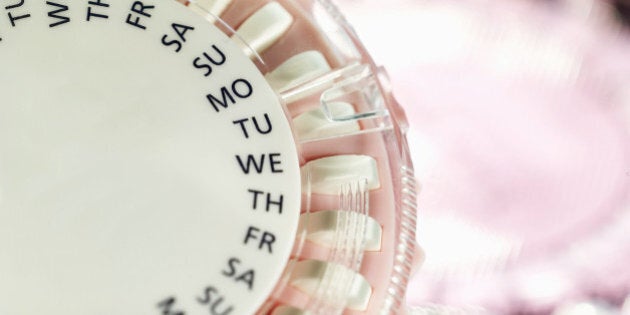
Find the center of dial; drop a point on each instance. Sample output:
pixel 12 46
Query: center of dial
pixel 146 166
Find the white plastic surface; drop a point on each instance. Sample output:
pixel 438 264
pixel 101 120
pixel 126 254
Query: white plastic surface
pixel 122 187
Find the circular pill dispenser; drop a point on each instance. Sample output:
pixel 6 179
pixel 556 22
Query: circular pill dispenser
pixel 208 157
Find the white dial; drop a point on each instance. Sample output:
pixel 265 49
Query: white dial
pixel 146 166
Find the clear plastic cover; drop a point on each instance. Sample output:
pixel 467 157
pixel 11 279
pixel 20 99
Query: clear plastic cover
pixel 356 243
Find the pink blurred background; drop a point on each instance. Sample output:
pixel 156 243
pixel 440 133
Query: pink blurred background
pixel 520 114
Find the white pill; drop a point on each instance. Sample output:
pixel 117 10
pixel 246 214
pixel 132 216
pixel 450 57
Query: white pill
pixel 328 175
pixel 297 70
pixel 210 8
pixel 314 277
pixel 263 28
pixel 316 124
pixel 288 310
pixel 323 228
